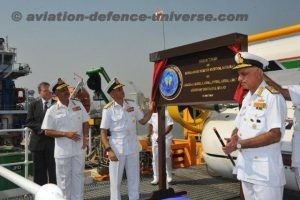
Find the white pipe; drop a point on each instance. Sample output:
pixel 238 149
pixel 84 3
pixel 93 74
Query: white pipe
pixel 45 192
pixel 19 180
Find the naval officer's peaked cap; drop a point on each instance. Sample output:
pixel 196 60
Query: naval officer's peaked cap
pixel 58 85
pixel 245 59
pixel 113 84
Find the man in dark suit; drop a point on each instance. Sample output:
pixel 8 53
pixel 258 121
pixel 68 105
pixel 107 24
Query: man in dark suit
pixel 40 145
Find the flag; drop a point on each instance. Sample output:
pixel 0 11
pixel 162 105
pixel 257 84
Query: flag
pixel 235 48
pixel 239 94
pixel 159 15
pixel 158 69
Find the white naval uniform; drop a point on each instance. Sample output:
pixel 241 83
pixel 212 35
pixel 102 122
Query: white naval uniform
pixel 154 122
pixel 294 91
pixel 261 167
pixel 69 155
pixel 125 144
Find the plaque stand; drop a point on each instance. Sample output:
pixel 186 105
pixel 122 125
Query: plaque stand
pixel 163 192
pixel 194 74
pixel 166 193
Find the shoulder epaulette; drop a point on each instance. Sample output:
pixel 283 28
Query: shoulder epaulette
pixel 108 105
pixel 260 91
pixel 272 90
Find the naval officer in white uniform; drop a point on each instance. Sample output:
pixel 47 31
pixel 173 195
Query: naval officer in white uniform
pixel 67 121
pixel 260 126
pixel 153 133
pixel 292 93
pixel 120 117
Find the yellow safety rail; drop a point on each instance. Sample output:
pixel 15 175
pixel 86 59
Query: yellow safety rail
pixel 274 33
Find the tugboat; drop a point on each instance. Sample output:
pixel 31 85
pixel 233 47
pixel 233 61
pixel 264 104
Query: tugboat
pixel 13 111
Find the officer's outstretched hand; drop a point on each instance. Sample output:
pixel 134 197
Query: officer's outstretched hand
pixel 112 156
pixel 72 136
pixel 152 106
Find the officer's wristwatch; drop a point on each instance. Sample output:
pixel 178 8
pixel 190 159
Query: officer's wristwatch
pixel 238 145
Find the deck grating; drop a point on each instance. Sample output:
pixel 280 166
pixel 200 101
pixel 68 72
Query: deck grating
pixel 195 180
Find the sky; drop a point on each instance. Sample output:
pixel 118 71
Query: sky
pixel 61 48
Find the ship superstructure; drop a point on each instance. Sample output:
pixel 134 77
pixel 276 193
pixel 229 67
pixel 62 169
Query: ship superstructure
pixel 13 102
pixel 13 111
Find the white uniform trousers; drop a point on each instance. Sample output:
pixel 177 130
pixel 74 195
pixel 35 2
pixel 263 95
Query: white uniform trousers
pixel 70 176
pixel 297 174
pixel 261 192
pixel 296 155
pixel 155 158
pixel 116 169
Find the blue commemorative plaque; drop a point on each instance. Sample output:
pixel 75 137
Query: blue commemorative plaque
pixel 170 82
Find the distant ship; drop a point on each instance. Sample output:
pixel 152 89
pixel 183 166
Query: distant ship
pixel 13 110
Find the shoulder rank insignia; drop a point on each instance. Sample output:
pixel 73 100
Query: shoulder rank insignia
pixel 108 105
pixel 260 104
pixel 272 90
pixel 259 91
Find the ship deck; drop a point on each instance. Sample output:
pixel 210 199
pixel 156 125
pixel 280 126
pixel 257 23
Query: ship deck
pixel 194 180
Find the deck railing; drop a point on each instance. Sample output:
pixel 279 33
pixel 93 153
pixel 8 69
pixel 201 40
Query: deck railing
pixel 26 162
pixel 48 191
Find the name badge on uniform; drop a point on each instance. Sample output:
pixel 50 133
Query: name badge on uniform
pixel 76 108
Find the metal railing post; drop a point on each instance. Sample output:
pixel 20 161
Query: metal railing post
pixel 41 191
pixel 26 130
